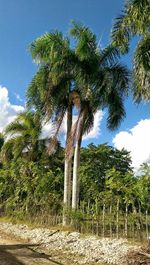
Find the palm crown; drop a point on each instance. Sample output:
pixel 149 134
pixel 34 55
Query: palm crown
pixel 135 21
pixel 23 137
pixel 82 76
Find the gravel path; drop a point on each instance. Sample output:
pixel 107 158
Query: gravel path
pixel 70 248
pixel 14 252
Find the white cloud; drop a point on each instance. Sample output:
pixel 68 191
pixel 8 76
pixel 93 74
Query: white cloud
pixel 136 140
pixel 46 130
pixel 94 133
pixel 8 111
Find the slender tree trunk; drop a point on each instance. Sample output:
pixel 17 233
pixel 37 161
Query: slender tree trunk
pixel 67 190
pixel 96 206
pixel 103 220
pixel 138 223
pixel 126 221
pixel 75 183
pixel 134 215
pixel 117 219
pixel 67 170
pixel 147 234
pixel 97 212
pixel 110 225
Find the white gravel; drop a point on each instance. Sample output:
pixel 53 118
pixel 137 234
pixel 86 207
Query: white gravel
pixel 85 250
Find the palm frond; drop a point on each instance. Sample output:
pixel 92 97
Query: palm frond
pixel 22 135
pixel 116 111
pixel 135 19
pixel 7 150
pixel 109 56
pixel 141 70
pixel 121 34
pixel 14 128
pixel 37 92
pixel 120 77
pixel 86 41
pixel 20 147
pixel 49 47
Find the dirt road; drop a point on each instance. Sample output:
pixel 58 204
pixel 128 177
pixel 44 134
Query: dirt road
pixel 14 252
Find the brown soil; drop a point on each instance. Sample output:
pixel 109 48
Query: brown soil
pixel 141 257
pixel 19 252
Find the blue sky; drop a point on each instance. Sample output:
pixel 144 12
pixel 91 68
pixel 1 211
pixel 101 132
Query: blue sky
pixel 22 21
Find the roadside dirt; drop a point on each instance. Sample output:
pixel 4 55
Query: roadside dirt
pixel 19 252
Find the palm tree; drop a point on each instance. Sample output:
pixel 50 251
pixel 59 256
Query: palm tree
pixel 51 90
pixel 22 137
pixel 135 21
pixel 84 77
pixel 102 83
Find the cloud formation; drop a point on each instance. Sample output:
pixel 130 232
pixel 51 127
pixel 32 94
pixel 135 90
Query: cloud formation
pixel 46 130
pixel 136 140
pixel 96 131
pixel 8 110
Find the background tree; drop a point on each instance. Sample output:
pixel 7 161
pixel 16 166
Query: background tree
pixel 143 185
pixel 23 137
pixel 135 21
pixel 96 161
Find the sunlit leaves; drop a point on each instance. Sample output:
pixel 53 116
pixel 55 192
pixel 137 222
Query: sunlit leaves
pixel 135 21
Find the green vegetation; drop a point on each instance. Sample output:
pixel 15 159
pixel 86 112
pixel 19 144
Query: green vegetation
pixel 135 22
pixel 82 79
pixel 34 190
pixel 94 188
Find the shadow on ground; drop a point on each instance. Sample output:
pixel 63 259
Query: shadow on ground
pixel 20 254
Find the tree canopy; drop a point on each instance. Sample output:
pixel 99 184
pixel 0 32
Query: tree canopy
pixel 135 22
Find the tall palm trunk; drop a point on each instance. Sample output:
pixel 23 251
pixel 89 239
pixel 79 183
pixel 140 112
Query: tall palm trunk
pixel 67 170
pixel 126 220
pixel 76 163
pixel 75 183
pixel 117 218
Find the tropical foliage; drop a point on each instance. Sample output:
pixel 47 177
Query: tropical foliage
pixel 85 78
pixel 34 189
pixel 135 22
pixel 23 137
pixel 36 174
